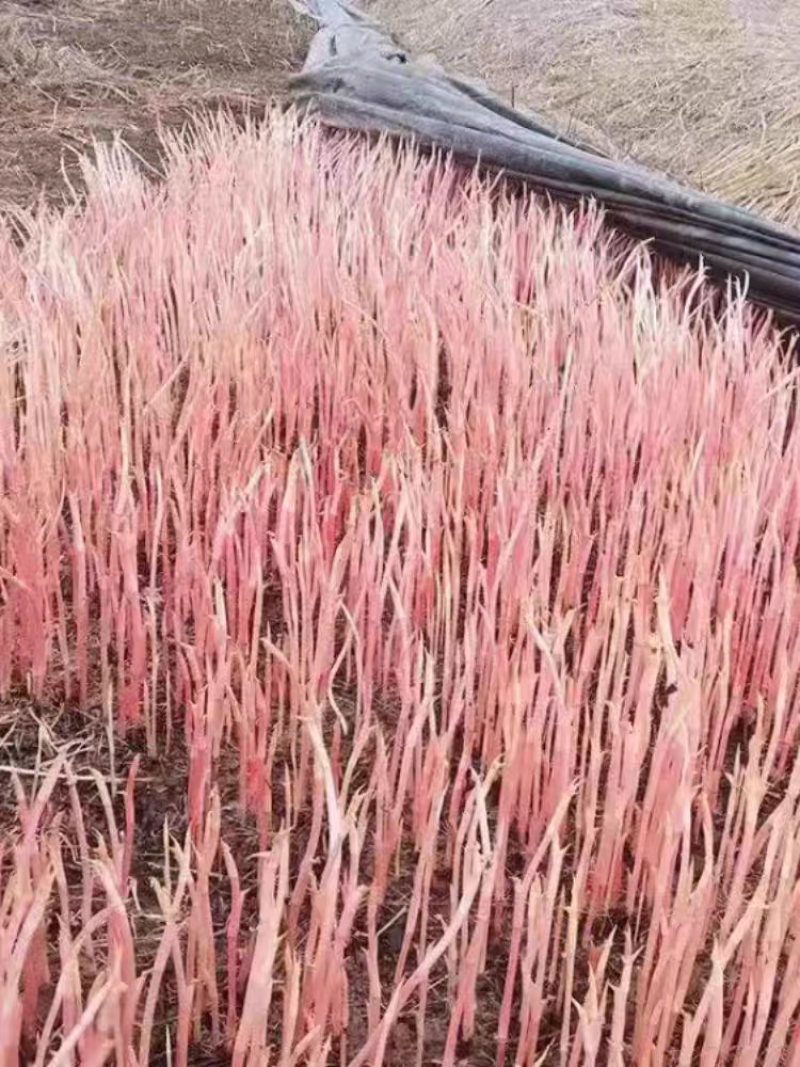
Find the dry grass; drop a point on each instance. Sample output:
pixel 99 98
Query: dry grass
pixel 708 92
pixel 76 71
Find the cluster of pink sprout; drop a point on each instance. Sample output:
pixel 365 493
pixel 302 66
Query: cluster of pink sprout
pixel 474 547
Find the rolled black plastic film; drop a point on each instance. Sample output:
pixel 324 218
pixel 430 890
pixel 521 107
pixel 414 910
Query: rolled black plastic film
pixel 357 77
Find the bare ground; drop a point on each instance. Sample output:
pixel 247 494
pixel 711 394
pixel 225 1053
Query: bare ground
pixel 705 90
pixel 72 71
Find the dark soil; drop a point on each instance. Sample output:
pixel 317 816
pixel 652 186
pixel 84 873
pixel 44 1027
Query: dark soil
pixel 75 71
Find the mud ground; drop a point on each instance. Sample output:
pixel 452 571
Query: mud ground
pixel 72 71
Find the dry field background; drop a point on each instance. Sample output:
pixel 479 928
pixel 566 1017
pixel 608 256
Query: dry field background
pixel 74 70
pixel 706 90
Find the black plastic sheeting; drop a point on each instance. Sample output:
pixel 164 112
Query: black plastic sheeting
pixel 357 77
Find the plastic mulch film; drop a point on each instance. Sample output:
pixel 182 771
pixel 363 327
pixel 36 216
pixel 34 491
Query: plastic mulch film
pixel 356 77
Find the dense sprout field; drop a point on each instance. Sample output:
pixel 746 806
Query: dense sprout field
pixel 399 629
